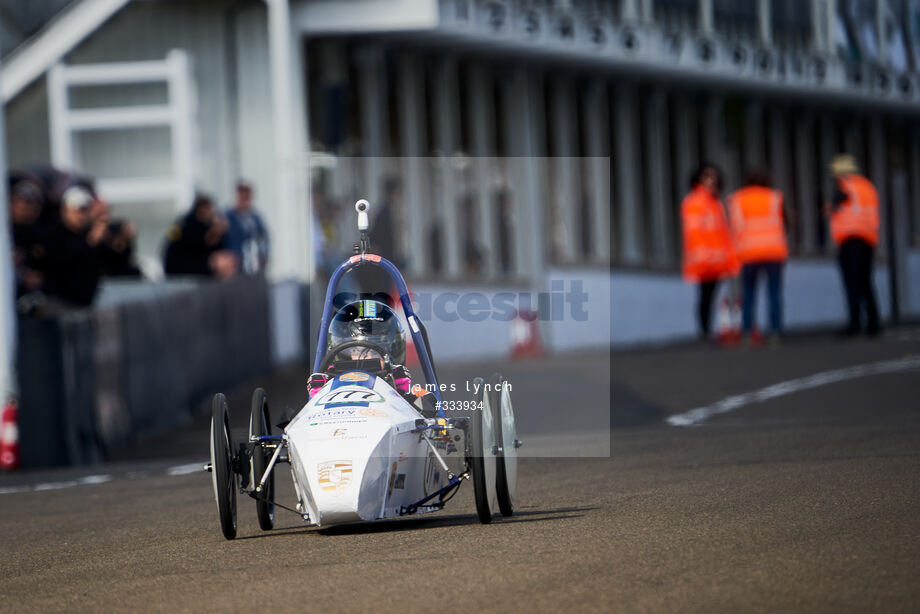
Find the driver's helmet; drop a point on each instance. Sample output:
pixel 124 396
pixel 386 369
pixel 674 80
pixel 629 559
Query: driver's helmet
pixel 370 321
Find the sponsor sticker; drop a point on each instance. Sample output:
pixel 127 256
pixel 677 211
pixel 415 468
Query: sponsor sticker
pixel 344 414
pixel 354 376
pixel 334 476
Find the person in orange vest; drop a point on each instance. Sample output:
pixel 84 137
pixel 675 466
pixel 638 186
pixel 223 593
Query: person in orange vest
pixel 708 252
pixel 757 223
pixel 854 225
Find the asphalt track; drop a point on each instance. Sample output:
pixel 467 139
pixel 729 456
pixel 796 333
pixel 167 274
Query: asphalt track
pixel 808 501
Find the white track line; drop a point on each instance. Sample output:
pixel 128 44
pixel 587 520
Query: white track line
pixel 176 470
pixel 699 414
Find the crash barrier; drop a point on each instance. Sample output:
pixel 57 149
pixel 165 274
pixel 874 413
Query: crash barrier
pixel 93 381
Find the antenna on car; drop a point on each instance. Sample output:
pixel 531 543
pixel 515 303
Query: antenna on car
pixel 362 207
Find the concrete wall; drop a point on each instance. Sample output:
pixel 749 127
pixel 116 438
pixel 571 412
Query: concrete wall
pixel 912 308
pixel 628 308
pixel 651 308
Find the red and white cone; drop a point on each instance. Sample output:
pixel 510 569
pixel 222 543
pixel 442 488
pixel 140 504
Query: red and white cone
pixel 525 336
pixel 9 437
pixel 728 322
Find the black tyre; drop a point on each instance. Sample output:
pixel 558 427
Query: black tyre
pixel 506 436
pixel 260 424
pixel 479 451
pixel 223 476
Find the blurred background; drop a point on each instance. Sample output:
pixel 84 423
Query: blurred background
pixel 512 143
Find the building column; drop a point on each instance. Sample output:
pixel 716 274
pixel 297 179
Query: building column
pixel 754 147
pixel 627 158
pixel 372 105
pixel 446 141
pixel 521 99
pixel 482 115
pixel 289 128
pixel 829 21
pixel 629 11
pixel 807 194
pixel 595 112
pixel 686 146
pixel 881 10
pixel 779 162
pixel 565 204
pixel 659 197
pixel 713 144
pixel 647 11
pixel 914 170
pixel 412 125
pixel 706 17
pixel 825 155
pixel 765 22
pixel 877 172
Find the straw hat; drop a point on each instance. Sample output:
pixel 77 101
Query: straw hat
pixel 844 164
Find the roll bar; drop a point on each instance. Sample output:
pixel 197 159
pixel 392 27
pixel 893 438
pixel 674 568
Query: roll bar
pixel 416 328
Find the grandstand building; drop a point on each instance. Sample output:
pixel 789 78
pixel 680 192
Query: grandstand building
pixel 565 130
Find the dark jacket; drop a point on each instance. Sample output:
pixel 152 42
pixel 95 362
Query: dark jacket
pixel 187 252
pixel 72 267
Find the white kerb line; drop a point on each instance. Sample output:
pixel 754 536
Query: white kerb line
pixel 699 414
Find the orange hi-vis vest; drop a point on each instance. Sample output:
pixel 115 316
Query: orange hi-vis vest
pixel 857 216
pixel 708 251
pixel 756 215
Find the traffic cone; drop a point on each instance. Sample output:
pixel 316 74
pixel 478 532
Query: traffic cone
pixel 736 320
pixel 525 336
pixel 9 437
pixel 728 322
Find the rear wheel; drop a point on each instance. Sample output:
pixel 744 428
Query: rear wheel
pixel 260 425
pixel 506 436
pixel 481 458
pixel 223 478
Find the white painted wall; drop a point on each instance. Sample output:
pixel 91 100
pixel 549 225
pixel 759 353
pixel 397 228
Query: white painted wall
pixel 629 308
pixel 912 309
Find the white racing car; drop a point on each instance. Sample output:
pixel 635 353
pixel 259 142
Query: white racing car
pixel 367 445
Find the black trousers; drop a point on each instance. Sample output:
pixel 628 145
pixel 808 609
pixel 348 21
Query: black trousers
pixel 855 258
pixel 707 292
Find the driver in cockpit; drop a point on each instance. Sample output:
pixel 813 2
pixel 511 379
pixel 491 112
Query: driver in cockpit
pixel 376 323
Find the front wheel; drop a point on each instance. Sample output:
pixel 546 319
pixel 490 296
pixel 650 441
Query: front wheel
pixel 506 436
pixel 223 478
pixel 480 455
pixel 260 425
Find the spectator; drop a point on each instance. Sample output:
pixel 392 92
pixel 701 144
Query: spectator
pixel 756 213
pixel 708 252
pixel 247 237
pixel 327 242
pixel 73 268
pixel 854 220
pixel 197 243
pixel 30 237
pixel 116 249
